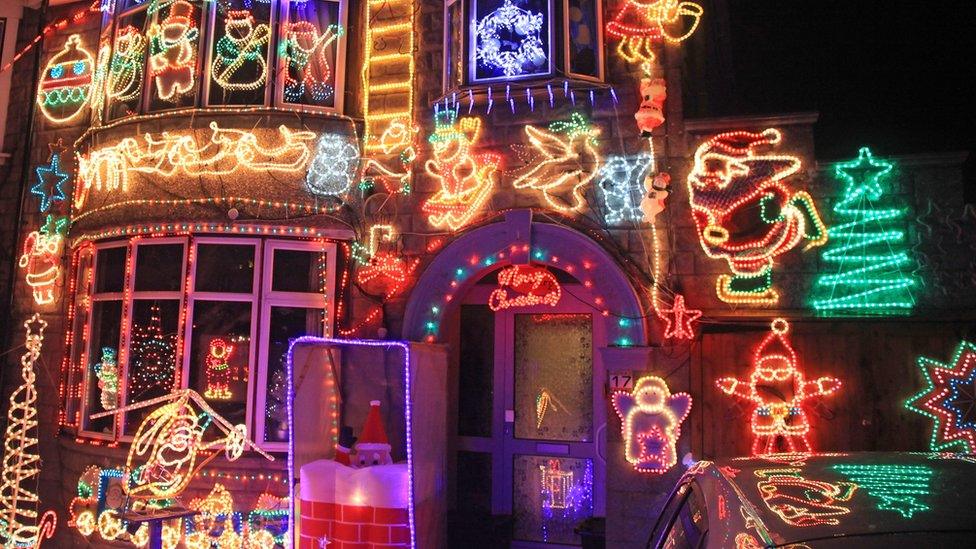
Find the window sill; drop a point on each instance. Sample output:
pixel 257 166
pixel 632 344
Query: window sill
pixel 520 95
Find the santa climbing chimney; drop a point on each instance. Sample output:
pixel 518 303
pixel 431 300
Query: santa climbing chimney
pixel 373 448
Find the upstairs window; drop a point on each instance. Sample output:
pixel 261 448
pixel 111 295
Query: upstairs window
pixel 501 41
pixel 158 55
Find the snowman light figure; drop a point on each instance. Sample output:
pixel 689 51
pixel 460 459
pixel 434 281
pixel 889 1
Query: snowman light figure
pixel 778 390
pixel 651 423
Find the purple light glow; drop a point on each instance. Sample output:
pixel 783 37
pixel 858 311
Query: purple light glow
pixel 407 417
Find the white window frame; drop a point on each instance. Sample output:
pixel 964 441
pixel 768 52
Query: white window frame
pixel 83 419
pixel 127 305
pixel 261 298
pixel 445 57
pixel 599 44
pixel 193 295
pixel 472 60
pixel 281 67
pixel 324 300
pixel 212 44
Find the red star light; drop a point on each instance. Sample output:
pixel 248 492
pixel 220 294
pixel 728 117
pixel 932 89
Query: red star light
pixel 680 319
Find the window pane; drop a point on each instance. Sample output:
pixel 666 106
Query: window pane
pixel 584 52
pixel 225 268
pixel 285 323
pixel 476 370
pixel 125 71
pixel 473 484
pixel 551 497
pixel 103 368
pixel 510 39
pixel 454 46
pixel 239 55
pixel 554 377
pixel 159 268
pixel 152 354
pixel 298 271
pixel 220 354
pixel 77 370
pixel 110 270
pixel 309 40
pixel 174 44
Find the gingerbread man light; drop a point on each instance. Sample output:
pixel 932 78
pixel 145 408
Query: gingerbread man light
pixel 777 390
pixel 651 420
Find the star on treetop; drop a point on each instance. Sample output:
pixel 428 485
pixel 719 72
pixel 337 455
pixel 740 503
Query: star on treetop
pixel 864 173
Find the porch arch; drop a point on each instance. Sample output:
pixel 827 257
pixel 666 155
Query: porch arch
pixel 519 240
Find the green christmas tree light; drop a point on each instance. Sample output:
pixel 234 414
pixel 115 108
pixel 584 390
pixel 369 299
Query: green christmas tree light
pixel 869 255
pixel 898 487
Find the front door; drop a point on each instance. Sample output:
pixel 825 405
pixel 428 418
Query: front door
pixel 531 416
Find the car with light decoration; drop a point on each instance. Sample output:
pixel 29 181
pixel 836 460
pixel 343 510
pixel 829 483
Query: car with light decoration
pixel 826 500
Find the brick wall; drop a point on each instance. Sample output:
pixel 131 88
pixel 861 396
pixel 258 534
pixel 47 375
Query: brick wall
pixel 353 526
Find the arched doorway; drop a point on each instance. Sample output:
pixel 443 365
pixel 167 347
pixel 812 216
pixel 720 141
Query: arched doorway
pixel 527 400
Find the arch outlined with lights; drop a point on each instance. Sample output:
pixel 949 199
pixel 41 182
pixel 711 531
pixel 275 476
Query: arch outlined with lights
pixel 517 239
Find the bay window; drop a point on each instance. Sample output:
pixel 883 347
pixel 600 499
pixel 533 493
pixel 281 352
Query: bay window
pixel 207 313
pixel 187 53
pixel 502 41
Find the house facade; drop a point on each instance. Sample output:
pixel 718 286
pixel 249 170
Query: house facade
pixel 196 183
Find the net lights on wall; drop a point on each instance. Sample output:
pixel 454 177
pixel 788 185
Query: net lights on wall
pixel 225 151
pixel 732 177
pixel 778 391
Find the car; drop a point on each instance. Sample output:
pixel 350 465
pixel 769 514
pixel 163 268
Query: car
pixel 823 500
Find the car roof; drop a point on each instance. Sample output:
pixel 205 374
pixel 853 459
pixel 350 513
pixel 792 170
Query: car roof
pixel 792 498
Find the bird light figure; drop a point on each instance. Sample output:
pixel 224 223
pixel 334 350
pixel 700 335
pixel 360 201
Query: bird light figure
pixel 168 448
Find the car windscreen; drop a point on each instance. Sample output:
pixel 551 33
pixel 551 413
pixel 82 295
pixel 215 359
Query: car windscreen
pixel 683 522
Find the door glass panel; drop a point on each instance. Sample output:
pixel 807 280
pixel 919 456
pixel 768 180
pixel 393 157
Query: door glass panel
pixel 550 497
pixel 554 377
pixel 477 352
pixel 473 483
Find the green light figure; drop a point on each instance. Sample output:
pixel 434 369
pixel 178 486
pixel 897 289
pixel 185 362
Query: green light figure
pixel 869 254
pixel 899 487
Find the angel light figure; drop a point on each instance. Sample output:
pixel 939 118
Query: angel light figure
pixel 651 423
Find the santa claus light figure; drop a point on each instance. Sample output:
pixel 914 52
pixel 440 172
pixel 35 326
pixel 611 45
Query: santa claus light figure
pixel 778 391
